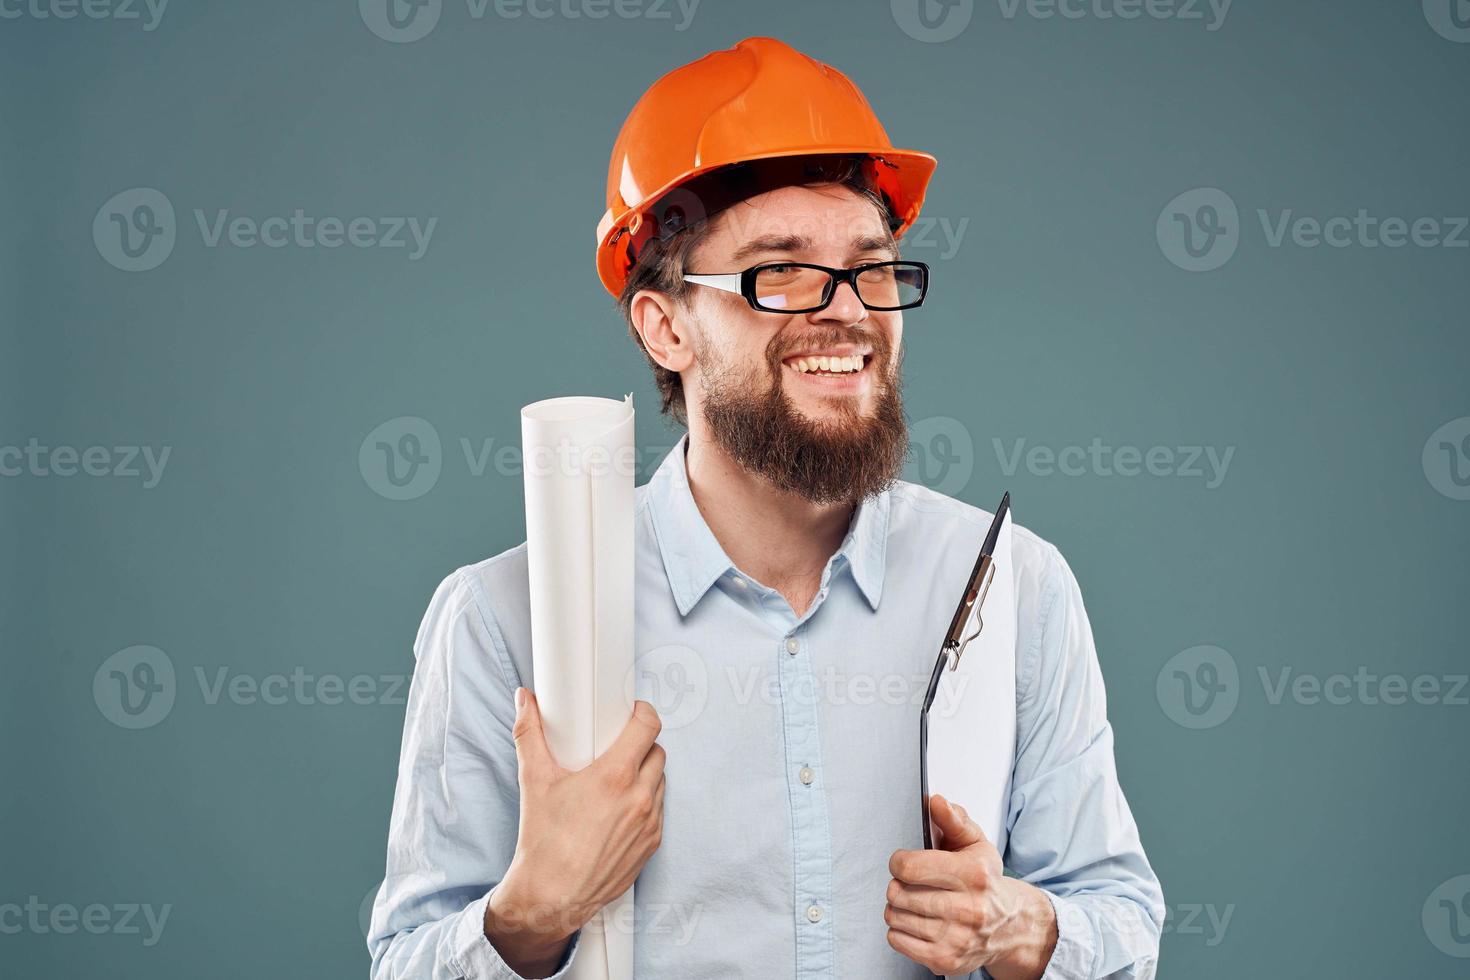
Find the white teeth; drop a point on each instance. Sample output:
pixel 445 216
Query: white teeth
pixel 832 365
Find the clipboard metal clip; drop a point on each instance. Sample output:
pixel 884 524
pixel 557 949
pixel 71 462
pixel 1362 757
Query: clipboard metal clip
pixel 976 603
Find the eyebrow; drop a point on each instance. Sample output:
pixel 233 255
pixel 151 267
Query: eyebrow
pixel 796 243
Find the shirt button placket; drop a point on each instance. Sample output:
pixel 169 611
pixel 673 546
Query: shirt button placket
pixel 811 835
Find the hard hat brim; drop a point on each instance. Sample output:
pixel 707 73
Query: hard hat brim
pixel 910 181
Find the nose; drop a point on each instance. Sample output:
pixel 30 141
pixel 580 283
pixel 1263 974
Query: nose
pixel 845 308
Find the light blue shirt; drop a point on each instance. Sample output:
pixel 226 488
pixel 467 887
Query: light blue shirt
pixel 786 791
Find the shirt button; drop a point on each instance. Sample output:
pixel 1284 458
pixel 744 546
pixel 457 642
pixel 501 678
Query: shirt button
pixel 792 646
pixel 807 775
pixel 814 913
pixel 739 582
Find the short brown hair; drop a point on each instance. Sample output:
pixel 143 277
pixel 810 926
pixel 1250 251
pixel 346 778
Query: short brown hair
pixel 661 264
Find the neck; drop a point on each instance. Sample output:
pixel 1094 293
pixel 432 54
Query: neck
pixel 777 538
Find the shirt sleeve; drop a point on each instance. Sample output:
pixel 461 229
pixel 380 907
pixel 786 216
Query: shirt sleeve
pixel 456 806
pixel 1071 832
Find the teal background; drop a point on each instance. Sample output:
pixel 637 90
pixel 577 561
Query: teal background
pixel 1322 829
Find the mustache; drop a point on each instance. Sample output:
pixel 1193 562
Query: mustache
pixel 783 346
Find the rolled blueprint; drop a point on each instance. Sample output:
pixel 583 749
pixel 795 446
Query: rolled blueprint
pixel 579 465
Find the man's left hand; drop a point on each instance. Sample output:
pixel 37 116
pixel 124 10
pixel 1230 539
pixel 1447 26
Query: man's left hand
pixel 954 910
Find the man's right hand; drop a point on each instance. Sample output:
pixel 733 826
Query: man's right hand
pixel 584 836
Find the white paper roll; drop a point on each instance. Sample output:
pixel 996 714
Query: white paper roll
pixel 579 462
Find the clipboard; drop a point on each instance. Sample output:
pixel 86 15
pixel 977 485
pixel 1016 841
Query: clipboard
pixel 983 626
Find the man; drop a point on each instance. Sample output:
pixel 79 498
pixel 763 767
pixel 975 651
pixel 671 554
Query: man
pixel 771 823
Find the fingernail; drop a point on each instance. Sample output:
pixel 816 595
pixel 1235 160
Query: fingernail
pixel 520 698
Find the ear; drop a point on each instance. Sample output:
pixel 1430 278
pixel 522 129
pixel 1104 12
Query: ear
pixel 655 316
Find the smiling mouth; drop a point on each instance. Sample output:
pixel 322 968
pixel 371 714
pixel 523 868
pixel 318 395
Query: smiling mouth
pixel 829 366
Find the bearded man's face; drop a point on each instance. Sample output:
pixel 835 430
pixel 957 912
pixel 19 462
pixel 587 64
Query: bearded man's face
pixel 827 433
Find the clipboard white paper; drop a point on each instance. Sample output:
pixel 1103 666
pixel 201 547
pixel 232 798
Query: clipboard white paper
pixel 972 725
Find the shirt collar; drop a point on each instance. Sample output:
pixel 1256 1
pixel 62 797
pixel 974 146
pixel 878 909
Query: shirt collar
pixel 694 560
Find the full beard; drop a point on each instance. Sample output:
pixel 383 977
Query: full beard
pixel 841 460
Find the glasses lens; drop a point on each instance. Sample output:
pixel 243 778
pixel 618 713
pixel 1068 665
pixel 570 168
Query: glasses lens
pixel 893 285
pixel 790 287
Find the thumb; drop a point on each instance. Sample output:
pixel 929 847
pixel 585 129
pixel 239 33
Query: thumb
pixel 957 829
pixel 532 752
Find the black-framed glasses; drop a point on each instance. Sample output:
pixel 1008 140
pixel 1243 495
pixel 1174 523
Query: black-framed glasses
pixel 800 287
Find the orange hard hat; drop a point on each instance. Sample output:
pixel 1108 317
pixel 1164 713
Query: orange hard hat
pixel 761 100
